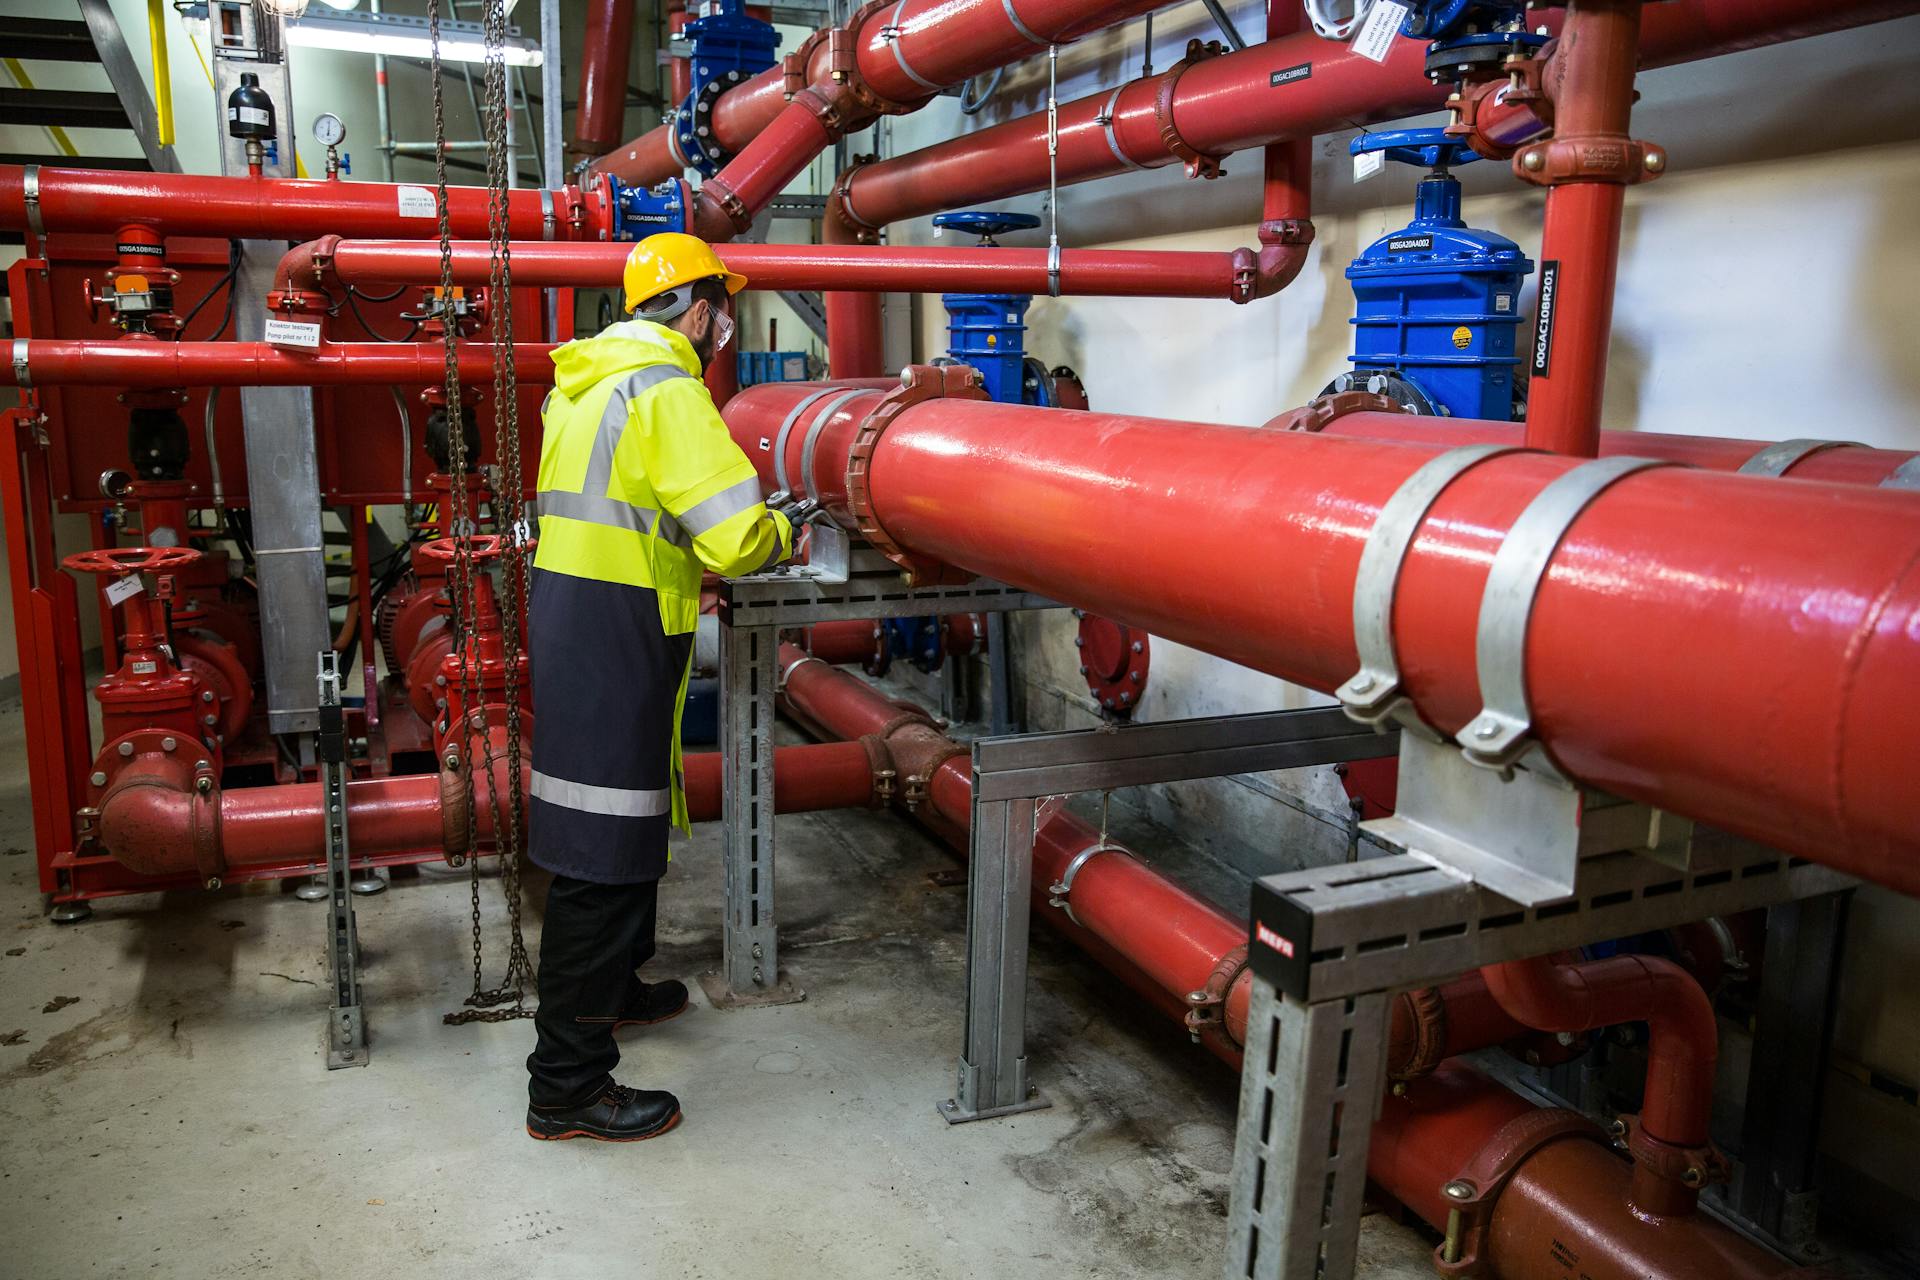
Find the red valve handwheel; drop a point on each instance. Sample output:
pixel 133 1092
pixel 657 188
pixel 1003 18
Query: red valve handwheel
pixel 482 548
pixel 123 560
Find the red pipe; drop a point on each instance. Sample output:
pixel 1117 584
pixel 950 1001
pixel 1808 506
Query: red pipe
pixel 181 204
pixel 679 70
pixel 66 362
pixel 727 203
pixel 1682 1042
pixel 1732 581
pixel 149 827
pixel 1843 464
pixel 606 53
pixel 856 336
pixel 1590 78
pixel 1257 96
pixel 901 55
pixel 1123 273
pixel 1564 1211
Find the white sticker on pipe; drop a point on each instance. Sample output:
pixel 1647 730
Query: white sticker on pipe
pixel 1368 163
pixel 417 202
pixel 121 590
pixel 292 333
pixel 1375 38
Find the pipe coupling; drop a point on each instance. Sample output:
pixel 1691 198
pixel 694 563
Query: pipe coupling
pixel 1199 164
pixel 1421 1048
pixel 1207 1007
pixel 456 807
pixel 1693 1167
pixel 918 383
pixel 880 764
pixel 1472 1193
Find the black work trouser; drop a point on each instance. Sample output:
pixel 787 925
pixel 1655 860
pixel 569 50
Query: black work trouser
pixel 594 937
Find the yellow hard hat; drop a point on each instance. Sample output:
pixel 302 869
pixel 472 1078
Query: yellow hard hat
pixel 669 260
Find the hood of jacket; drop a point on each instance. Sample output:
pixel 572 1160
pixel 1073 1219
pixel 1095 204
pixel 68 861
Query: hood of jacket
pixel 616 349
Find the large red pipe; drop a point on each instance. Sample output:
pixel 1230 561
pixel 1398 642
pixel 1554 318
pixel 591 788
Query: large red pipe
pixel 1122 273
pixel 1781 703
pixel 856 335
pixel 184 204
pixel 1259 95
pixel 62 361
pixel 1565 1210
pixel 1841 464
pixel 606 53
pixel 901 54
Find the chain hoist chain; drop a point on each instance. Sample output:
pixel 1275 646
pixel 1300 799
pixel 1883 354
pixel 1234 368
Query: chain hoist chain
pixel 506 392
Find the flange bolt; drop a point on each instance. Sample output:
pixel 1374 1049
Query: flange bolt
pixel 1458 1189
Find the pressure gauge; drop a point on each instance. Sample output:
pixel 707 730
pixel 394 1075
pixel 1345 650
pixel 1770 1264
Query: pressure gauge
pixel 328 131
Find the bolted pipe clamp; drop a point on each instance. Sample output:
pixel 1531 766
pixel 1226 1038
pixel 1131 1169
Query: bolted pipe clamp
pixel 1207 1007
pixel 1472 1193
pixel 1694 1167
pixel 1060 893
pixel 1198 163
pixel 1779 458
pixel 918 384
pixel 1591 158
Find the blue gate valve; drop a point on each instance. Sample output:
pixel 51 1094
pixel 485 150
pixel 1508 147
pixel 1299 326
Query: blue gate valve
pixel 987 330
pixel 1437 303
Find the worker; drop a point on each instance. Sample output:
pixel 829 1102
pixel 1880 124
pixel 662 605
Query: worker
pixel 641 487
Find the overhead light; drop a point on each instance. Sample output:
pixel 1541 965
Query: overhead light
pixel 405 36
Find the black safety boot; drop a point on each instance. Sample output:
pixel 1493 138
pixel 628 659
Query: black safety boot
pixel 619 1114
pixel 656 1002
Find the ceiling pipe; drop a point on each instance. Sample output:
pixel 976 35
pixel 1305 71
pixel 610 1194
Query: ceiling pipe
pixel 1261 95
pixel 895 56
pixel 606 55
pixel 1840 463
pixel 1731 580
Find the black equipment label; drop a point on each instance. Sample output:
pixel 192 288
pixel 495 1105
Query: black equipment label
pixel 1410 244
pixel 1287 75
pixel 140 250
pixel 1543 324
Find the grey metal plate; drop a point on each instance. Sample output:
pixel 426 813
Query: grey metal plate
pixel 873 590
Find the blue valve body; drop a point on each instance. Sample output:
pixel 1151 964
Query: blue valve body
pixel 639 212
pixel 726 42
pixel 1439 302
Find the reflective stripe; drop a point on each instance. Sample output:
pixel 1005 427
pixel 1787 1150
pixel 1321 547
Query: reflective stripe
pixel 774 557
pixel 592 503
pixel 614 802
pixel 724 505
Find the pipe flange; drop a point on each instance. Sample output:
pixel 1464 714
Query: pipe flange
pixel 693 135
pixel 1114 661
pixel 1429 1009
pixel 1472 1193
pixel 1693 1167
pixel 1600 157
pixel 456 803
pixel 1060 892
pixel 1315 414
pixel 203 811
pixel 880 766
pixel 1207 1007
pixel 1199 164
pixel 918 383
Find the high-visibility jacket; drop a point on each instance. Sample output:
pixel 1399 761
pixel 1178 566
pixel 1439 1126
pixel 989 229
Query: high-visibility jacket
pixel 640 488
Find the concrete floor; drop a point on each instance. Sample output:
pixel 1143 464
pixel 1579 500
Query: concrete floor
pixel 176 1118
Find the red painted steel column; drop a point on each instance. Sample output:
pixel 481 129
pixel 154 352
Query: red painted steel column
pixel 1843 464
pixel 606 54
pixel 1591 82
pixel 1736 583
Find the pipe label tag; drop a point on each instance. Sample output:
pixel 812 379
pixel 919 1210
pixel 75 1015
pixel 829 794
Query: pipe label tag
pixel 1288 75
pixel 417 202
pixel 1410 244
pixel 292 333
pixel 1375 38
pixel 1368 163
pixel 1543 324
pixel 121 590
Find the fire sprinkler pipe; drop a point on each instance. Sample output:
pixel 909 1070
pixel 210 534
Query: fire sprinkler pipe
pixel 151 827
pixel 1261 95
pixel 45 362
pixel 856 336
pixel 858 640
pixel 1589 162
pixel 606 51
pixel 181 204
pixel 898 55
pixel 1682 1047
pixel 1122 273
pixel 1715 573
pixel 1841 463
pixel 1565 1198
